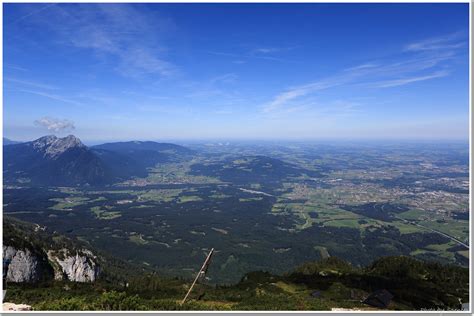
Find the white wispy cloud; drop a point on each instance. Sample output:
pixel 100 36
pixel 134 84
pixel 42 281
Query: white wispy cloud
pixel 421 61
pixel 14 67
pixel 404 81
pixel 317 111
pixel 223 54
pixel 166 109
pixel 139 61
pixel 450 41
pixel 253 54
pixel 54 124
pixel 224 111
pixel 132 37
pixel 363 66
pixel 270 50
pixel 213 87
pixel 300 91
pixel 264 50
pixel 33 12
pixel 30 83
pixel 53 97
pixel 225 78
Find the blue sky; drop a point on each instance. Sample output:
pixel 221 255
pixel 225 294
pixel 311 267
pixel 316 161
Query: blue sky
pixel 236 71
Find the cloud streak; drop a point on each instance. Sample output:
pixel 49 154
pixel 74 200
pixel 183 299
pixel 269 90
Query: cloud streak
pixel 418 63
pixel 14 67
pixel 300 91
pixel 53 97
pixel 266 50
pixel 26 16
pixel 132 37
pixel 31 84
pixel 261 53
pixel 404 81
pixel 450 41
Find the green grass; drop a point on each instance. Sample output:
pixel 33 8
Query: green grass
pixel 351 223
pixel 289 287
pixel 104 214
pixel 68 203
pixel 441 247
pixel 418 252
pixel 189 198
pixel 455 228
pixel 458 229
pixel 130 192
pixel 69 190
pixel 412 214
pixel 250 199
pixel 137 239
pixel 327 215
pixel 219 196
pixel 142 206
pixel 177 173
pixel 160 195
pixel 406 228
pixel 440 250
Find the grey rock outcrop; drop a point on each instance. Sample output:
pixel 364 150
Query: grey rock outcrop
pixel 15 307
pixel 24 266
pixel 52 146
pixel 80 267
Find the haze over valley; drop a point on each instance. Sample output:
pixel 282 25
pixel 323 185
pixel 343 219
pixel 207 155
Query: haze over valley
pixel 244 156
pixel 263 206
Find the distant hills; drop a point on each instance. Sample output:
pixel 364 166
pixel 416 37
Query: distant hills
pixel 252 169
pixel 50 160
pixel 128 159
pixel 134 147
pixel 7 141
pixel 54 161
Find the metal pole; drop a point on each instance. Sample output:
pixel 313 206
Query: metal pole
pixel 198 275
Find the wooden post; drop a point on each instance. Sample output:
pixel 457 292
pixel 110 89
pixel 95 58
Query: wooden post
pixel 200 273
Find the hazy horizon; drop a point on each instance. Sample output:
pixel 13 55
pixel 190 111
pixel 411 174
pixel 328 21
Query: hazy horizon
pixel 110 72
pixel 265 141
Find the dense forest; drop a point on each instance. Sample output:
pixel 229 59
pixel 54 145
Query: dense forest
pixel 316 285
pixel 322 285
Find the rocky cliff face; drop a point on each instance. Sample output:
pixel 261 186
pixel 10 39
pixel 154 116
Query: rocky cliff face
pixel 35 254
pixel 24 265
pixel 80 267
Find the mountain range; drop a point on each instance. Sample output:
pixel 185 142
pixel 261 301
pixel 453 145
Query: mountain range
pixel 51 160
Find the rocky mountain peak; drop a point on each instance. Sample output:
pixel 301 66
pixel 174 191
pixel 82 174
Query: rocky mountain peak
pixel 44 141
pixel 53 146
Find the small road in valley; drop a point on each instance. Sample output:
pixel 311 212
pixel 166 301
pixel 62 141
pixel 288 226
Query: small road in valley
pixel 435 231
